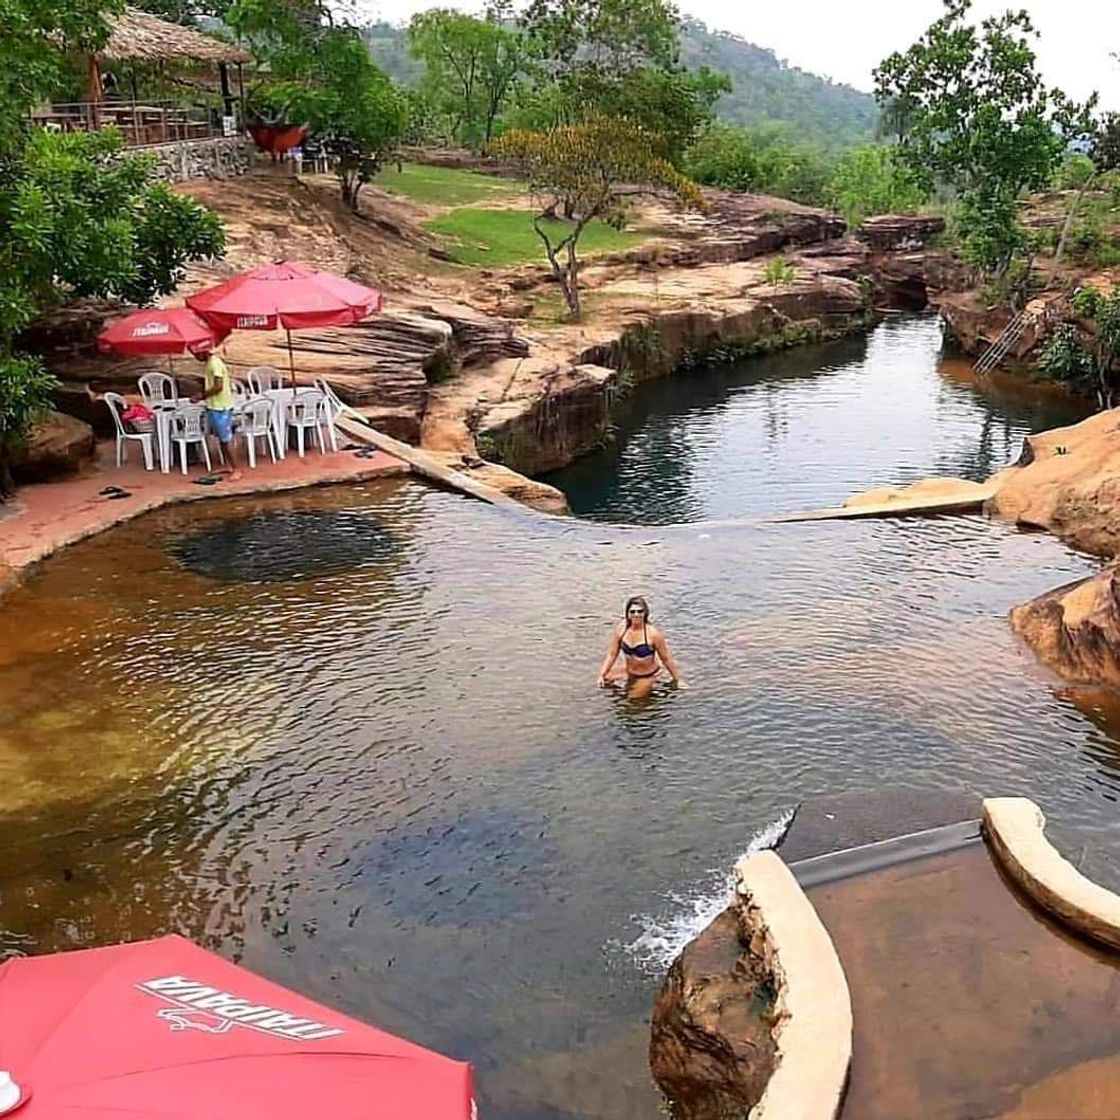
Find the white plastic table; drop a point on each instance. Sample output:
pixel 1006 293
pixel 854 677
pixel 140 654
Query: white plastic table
pixel 280 398
pixel 164 410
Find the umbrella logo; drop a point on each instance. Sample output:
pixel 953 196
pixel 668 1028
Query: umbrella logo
pixel 248 322
pixel 146 330
pixel 195 1006
pixel 190 1018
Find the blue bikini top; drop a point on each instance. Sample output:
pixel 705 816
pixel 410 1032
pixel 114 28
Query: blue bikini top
pixel 643 650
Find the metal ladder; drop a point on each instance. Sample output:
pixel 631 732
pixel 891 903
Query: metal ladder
pixel 1003 343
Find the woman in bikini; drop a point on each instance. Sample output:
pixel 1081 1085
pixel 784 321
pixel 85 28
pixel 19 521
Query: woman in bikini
pixel 645 650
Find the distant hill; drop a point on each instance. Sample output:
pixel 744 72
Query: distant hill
pixel 764 90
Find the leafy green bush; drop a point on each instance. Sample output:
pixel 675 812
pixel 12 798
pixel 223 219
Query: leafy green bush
pixel 25 395
pixel 780 271
pixel 1107 256
pixel 1075 171
pixel 1065 357
pixel 767 161
pixel 1085 301
pixel 986 225
pixel 83 218
pixel 724 157
pixel 870 181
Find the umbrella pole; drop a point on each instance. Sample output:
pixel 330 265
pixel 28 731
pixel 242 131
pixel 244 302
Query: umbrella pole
pixel 291 358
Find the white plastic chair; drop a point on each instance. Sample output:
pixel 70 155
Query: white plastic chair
pixel 254 423
pixel 305 412
pixel 155 388
pixel 117 404
pixel 240 393
pixel 263 378
pixel 188 425
pixel 333 408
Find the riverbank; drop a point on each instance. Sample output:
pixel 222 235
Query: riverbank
pixel 475 362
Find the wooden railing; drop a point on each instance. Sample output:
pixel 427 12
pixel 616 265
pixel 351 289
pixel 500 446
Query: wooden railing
pixel 141 122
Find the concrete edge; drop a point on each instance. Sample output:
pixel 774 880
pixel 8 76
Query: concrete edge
pixel 813 1025
pixel 428 466
pixel 1014 828
pixel 14 575
pixel 897 509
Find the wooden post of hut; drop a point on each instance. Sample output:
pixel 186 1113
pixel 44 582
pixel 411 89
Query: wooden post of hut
pixel 138 36
pixel 94 92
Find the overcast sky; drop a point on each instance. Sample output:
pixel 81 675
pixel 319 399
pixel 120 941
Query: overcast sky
pixel 845 41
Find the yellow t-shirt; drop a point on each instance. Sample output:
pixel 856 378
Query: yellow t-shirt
pixel 217 376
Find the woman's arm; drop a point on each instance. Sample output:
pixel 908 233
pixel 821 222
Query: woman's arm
pixel 611 658
pixel 667 659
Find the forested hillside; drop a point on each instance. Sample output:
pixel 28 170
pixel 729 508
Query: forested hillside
pixel 764 90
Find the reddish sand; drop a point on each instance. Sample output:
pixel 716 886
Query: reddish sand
pixel 44 517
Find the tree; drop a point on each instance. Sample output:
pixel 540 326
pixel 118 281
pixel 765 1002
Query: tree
pixel 979 118
pixel 36 33
pixel 872 180
pixel 349 105
pixel 82 218
pixel 472 66
pixel 595 58
pixel 78 217
pixel 590 171
pixel 324 78
pixel 608 36
pixel 1105 150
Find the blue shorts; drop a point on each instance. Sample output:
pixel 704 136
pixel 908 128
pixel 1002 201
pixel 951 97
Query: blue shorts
pixel 221 423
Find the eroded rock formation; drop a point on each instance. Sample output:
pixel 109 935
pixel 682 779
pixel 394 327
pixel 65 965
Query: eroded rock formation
pixel 1068 482
pixel 1075 630
pixel 58 445
pixel 711 1044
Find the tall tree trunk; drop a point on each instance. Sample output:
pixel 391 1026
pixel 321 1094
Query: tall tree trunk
pixel 573 280
pixel 1066 227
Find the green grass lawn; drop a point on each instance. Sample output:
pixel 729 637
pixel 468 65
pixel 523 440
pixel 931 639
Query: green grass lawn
pixel 444 186
pixel 499 238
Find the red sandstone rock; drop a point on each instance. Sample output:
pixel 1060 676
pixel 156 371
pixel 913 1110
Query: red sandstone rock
pixel 58 445
pixel 711 1049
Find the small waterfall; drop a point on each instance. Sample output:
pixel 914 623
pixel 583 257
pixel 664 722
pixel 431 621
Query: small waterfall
pixel 662 936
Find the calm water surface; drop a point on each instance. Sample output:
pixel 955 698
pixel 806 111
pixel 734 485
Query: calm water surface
pixel 352 736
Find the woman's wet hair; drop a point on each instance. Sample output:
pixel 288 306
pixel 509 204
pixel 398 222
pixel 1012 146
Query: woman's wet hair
pixel 636 601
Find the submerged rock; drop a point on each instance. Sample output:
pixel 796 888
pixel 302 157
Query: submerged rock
pixel 711 1044
pixel 1075 630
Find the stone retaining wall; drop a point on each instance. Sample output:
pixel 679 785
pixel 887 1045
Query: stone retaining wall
pixel 219 158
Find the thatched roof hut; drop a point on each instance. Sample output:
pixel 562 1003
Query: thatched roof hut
pixel 137 36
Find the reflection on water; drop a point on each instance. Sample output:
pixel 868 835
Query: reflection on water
pixel 395 786
pixel 807 428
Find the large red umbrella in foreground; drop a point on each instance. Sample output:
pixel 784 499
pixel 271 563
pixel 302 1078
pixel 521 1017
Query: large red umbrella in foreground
pixel 159 330
pixel 286 294
pixel 163 1029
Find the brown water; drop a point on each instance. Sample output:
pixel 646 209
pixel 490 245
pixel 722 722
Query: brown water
pixel 967 1003
pixel 351 736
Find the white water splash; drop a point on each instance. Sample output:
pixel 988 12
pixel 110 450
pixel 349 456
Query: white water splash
pixel 664 935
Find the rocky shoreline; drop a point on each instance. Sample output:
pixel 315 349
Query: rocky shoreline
pixel 479 373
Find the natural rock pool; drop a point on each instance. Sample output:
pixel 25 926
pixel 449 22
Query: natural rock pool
pixel 384 775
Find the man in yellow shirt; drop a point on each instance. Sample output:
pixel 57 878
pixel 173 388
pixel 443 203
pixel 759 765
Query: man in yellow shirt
pixel 218 398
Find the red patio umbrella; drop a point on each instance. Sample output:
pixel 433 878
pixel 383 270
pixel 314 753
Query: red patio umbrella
pixel 165 1029
pixel 159 330
pixel 287 294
